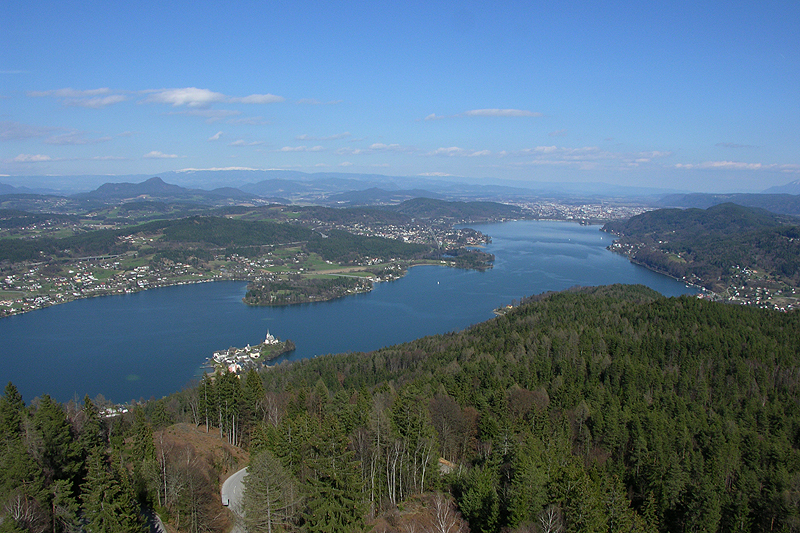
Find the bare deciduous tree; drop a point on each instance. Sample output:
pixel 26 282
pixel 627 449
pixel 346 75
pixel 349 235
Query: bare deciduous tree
pixel 551 521
pixel 444 516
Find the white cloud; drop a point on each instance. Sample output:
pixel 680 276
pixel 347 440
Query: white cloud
pixel 11 131
pixel 435 174
pixel 302 149
pixel 381 147
pixel 221 168
pixel 346 164
pixel 455 151
pixel 71 93
pixel 728 165
pixel 216 136
pixel 501 113
pixel 108 158
pixel 558 133
pixel 74 138
pixel 451 151
pixel 351 151
pixel 186 96
pixel 434 116
pixel 305 137
pixel 30 158
pixel 655 154
pixel 542 149
pixel 155 154
pixel 241 142
pixel 734 145
pixel 257 99
pixel 578 154
pixel 189 96
pixel 92 98
pixel 375 148
pixel 739 165
pixel 97 102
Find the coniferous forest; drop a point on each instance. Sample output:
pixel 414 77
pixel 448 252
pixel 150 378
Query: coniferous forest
pixel 603 409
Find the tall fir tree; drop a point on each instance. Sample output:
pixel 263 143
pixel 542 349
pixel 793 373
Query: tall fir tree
pixel 109 502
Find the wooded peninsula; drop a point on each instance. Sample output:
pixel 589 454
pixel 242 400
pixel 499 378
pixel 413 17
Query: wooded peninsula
pixel 290 255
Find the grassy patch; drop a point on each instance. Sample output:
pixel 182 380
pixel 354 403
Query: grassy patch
pixel 102 273
pixel 11 295
pixel 134 262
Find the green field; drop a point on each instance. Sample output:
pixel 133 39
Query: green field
pixel 11 295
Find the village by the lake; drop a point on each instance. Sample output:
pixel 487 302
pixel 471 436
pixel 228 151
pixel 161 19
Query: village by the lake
pixel 240 360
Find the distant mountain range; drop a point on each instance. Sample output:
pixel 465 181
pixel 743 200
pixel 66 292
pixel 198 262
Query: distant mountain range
pixel 316 186
pixel 792 187
pixel 212 188
pixel 156 189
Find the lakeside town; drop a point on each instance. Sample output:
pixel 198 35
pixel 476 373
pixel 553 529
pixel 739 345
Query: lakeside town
pixel 240 360
pixel 747 286
pixel 27 286
pixel 31 285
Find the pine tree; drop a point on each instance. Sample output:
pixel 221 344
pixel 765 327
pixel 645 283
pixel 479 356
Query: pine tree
pixel 109 504
pixel 334 490
pixel 91 433
pixel 11 410
pixel 56 449
pixel 142 454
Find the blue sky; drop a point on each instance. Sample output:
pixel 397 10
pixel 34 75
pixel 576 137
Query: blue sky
pixel 701 96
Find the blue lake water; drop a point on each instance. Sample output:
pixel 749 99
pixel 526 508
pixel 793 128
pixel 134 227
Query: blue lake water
pixel 154 342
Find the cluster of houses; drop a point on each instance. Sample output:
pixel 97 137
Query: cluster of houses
pixel 238 360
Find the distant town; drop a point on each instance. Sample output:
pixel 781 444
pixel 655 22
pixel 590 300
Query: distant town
pixel 240 360
pixel 30 285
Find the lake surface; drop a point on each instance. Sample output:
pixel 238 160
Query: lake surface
pixel 154 342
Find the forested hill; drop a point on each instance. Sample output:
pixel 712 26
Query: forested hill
pixel 606 408
pixel 721 220
pixel 783 204
pixel 592 410
pixel 200 233
pixel 713 247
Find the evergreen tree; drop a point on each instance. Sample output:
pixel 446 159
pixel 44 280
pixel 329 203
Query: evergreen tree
pixel 109 503
pixel 333 502
pixel 55 447
pixel 11 410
